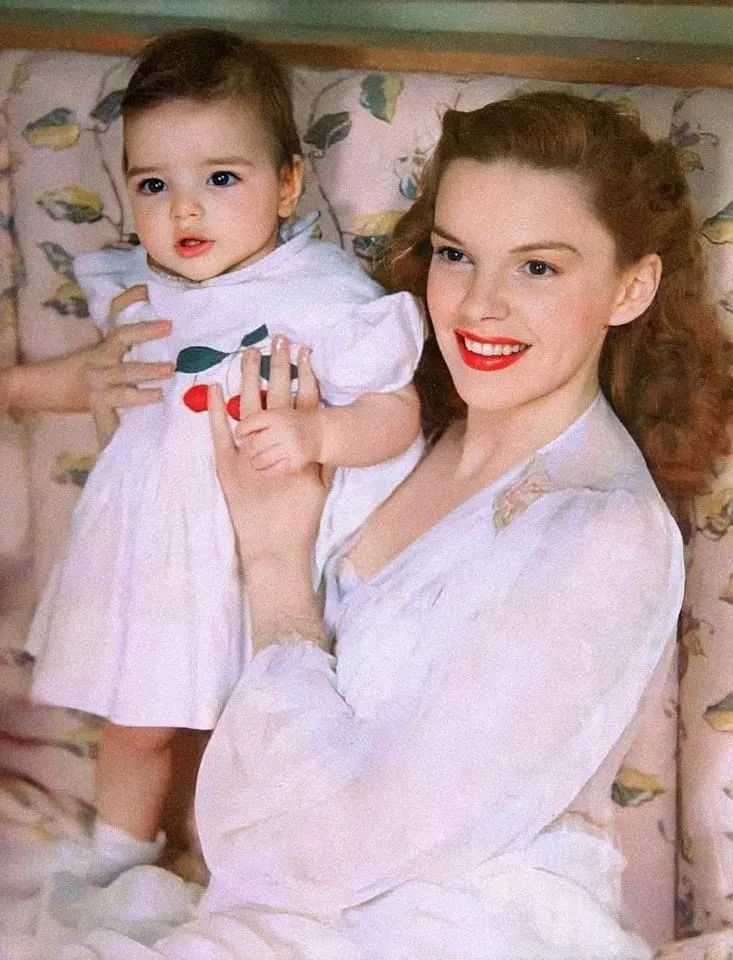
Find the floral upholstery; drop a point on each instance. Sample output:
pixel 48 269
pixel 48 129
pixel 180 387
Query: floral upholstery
pixel 366 137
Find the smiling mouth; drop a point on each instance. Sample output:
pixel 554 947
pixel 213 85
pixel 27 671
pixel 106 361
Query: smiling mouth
pixel 192 246
pixel 489 353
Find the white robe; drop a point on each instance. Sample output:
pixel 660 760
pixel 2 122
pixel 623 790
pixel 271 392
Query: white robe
pixel 440 788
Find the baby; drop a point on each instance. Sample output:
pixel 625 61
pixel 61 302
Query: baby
pixel 142 621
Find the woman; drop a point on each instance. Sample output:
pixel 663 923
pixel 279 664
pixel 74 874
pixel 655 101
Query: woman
pixel 439 785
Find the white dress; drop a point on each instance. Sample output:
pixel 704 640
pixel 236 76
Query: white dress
pixel 440 789
pixel 142 620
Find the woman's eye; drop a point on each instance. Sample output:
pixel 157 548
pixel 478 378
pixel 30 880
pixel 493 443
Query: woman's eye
pixel 151 185
pixel 538 268
pixel 450 254
pixel 223 178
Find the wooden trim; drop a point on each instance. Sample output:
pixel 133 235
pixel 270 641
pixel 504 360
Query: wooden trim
pixel 554 58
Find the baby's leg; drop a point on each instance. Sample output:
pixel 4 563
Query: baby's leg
pixel 133 776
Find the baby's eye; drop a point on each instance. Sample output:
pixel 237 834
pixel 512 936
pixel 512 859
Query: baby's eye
pixel 151 185
pixel 538 268
pixel 450 254
pixel 223 178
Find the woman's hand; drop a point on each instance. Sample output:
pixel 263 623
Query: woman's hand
pixel 114 383
pixel 272 512
pixel 111 382
pixel 275 515
pixel 95 376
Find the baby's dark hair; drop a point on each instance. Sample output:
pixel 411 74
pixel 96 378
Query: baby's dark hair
pixel 211 65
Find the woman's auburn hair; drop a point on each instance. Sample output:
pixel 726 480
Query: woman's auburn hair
pixel 667 373
pixel 208 65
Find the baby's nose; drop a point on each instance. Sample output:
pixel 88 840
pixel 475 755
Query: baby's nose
pixel 185 204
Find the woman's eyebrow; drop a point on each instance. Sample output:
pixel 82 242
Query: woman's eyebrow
pixel 444 234
pixel 545 245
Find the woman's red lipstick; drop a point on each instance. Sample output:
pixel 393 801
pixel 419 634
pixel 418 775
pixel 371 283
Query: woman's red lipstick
pixel 489 362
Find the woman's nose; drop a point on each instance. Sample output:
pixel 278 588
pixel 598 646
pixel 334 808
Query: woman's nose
pixel 485 299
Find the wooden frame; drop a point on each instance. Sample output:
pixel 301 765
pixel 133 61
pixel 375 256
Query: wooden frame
pixel 554 58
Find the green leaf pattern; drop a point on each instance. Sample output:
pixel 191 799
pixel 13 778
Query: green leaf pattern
pixel 379 94
pixel 73 203
pixel 56 130
pixel 327 130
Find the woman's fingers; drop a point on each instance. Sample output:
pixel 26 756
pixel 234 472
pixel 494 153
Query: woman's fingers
pixel 102 378
pixel 124 396
pixel 224 444
pixel 250 400
pixel 121 338
pixel 136 294
pixel 144 330
pixel 308 393
pixel 278 390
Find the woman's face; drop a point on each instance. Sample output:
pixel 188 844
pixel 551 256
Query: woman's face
pixel 523 285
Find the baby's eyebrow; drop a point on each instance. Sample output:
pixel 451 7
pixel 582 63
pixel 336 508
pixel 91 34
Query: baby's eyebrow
pixel 222 161
pixel 138 171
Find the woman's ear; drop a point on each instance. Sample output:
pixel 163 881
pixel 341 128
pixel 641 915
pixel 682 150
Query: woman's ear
pixel 291 184
pixel 637 289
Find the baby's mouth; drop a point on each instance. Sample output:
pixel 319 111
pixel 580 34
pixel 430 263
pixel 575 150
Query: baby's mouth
pixel 193 246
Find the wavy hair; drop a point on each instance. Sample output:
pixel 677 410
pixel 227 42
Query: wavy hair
pixel 667 373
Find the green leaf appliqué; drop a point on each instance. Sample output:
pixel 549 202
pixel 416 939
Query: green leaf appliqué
pixel 254 336
pixel 196 359
pixel 265 369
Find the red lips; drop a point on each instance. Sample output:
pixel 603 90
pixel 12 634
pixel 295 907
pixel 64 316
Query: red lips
pixel 488 364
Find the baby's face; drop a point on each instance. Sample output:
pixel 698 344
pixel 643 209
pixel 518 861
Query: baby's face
pixel 205 192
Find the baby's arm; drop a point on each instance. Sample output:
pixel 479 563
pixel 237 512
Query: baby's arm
pixel 376 427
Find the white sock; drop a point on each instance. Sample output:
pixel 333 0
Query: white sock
pixel 115 850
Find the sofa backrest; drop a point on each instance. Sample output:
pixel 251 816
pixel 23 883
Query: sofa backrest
pixel 366 135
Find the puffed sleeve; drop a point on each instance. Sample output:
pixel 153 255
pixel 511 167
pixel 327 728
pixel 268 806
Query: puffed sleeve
pixel 103 274
pixel 373 348
pixel 536 665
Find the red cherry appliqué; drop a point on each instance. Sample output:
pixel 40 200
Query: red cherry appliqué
pixel 233 407
pixel 196 397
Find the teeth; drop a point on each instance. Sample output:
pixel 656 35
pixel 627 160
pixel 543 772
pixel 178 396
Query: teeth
pixel 494 349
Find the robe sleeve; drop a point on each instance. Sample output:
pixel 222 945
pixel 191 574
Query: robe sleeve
pixel 306 806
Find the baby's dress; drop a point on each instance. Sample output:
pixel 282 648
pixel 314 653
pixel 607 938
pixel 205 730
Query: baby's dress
pixel 142 620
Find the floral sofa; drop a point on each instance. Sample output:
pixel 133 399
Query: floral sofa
pixel 366 136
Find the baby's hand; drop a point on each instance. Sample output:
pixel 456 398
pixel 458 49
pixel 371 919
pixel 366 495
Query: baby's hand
pixel 281 440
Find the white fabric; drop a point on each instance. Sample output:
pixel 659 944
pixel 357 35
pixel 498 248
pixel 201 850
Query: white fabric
pixel 142 621
pixel 429 792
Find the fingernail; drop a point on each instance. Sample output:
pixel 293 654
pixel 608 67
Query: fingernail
pixel 278 342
